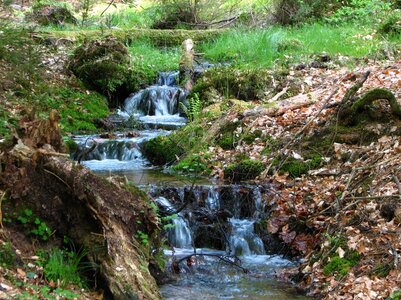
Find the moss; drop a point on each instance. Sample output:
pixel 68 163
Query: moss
pixel 247 84
pixel 341 266
pixel 250 137
pixel 102 64
pixel 167 38
pixel 296 167
pixel 51 13
pixel 289 44
pixel 162 150
pixel 78 109
pixel 246 169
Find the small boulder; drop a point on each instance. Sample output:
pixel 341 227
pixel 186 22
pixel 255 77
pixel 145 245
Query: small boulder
pixel 51 15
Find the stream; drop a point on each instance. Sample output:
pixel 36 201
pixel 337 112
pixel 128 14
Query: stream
pixel 218 224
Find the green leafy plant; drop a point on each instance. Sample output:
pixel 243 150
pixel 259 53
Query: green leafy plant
pixel 195 164
pixel 37 227
pixel 64 267
pixel 194 107
pixel 143 237
pixel 7 254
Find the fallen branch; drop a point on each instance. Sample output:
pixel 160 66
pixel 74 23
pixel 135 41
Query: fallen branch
pixel 223 258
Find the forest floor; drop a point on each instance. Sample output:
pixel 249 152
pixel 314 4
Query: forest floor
pixel 343 217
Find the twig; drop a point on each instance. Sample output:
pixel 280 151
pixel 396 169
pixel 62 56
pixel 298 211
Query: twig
pixel 397 182
pixel 58 177
pixel 108 6
pixel 344 194
pixel 300 132
pixel 221 257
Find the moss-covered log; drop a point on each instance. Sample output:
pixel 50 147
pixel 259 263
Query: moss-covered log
pixel 377 94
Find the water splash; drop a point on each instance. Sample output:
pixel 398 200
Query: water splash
pixel 179 235
pixel 243 240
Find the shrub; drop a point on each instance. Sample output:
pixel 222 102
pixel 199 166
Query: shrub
pixel 246 169
pixel 287 12
pixel 102 64
pixel 162 150
pixel 360 11
pixel 392 24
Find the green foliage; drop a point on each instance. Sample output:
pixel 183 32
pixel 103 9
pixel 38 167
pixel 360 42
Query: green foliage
pixel 7 255
pixel 193 164
pixel 289 12
pixel 246 169
pixel 391 25
pixel 64 267
pixel 162 150
pixel 143 237
pixel 148 61
pixel 194 107
pixel 340 266
pixel 358 11
pixel 263 48
pixel 37 227
pixel 394 296
pixel 132 17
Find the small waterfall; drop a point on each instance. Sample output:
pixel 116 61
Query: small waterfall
pixel 243 241
pixel 113 149
pixel 168 78
pixel 180 234
pixel 159 103
pixel 213 200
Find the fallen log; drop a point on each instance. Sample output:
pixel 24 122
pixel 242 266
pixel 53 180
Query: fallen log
pixel 103 217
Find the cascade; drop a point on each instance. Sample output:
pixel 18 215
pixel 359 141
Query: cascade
pixel 159 104
pixel 179 235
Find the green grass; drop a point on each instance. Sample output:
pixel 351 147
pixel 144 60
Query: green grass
pixel 263 47
pixel 148 60
pixel 63 268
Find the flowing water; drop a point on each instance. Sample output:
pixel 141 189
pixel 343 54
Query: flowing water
pixel 218 225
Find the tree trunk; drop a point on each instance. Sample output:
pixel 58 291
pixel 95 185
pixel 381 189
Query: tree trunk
pixel 101 216
pixel 187 65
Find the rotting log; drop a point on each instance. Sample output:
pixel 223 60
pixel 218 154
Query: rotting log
pixel 101 216
pixel 377 94
pixel 186 66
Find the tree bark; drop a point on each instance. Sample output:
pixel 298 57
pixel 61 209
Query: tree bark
pixel 101 216
pixel 186 66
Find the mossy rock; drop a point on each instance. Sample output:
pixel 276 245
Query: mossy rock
pixel 341 266
pixel 296 167
pixel 247 84
pixel 289 44
pixel 102 64
pixel 51 14
pixel 246 169
pixel 162 150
